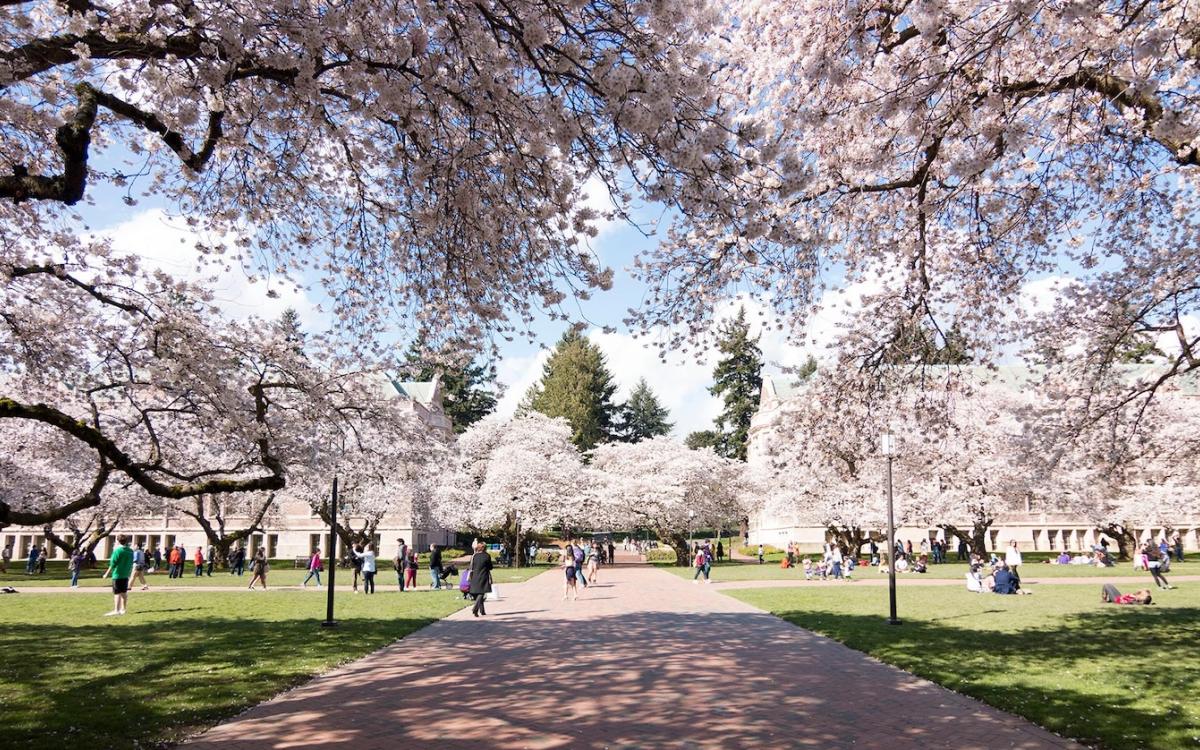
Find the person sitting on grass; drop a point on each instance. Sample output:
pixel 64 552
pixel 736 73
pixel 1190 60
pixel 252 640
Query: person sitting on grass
pixel 902 565
pixel 974 581
pixel 1110 595
pixel 1004 582
pixel 1064 558
pixel 922 564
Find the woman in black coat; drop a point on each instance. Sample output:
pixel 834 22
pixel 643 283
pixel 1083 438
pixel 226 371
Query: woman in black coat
pixel 480 582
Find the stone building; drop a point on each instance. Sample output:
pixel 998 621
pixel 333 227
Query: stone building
pixel 291 530
pixel 1032 531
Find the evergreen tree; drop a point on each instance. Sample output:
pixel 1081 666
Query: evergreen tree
pixel 642 416
pixel 289 323
pixel 577 386
pixel 703 439
pixel 738 381
pixel 808 369
pixel 466 397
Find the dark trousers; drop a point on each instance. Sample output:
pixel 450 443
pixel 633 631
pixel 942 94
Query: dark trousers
pixel 478 608
pixel 368 582
pixel 1159 578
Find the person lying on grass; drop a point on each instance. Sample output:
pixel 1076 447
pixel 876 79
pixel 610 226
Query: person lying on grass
pixel 1110 595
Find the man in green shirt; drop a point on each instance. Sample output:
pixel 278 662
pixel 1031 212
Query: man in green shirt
pixel 120 566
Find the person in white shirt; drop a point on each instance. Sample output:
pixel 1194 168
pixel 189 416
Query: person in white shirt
pixel 1012 558
pixel 368 568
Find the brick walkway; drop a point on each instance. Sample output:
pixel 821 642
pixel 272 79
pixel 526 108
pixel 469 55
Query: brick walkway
pixel 643 660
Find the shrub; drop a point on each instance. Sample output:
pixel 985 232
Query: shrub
pixel 751 550
pixel 551 556
pixel 661 554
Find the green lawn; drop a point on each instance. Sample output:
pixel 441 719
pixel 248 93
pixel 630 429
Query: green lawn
pixel 178 662
pixel 281 574
pixel 1118 677
pixel 739 571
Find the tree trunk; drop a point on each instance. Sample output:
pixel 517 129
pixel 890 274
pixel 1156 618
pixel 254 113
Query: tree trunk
pixel 1123 536
pixel 679 543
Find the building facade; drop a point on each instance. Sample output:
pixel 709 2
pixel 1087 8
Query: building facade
pixel 291 530
pixel 1031 530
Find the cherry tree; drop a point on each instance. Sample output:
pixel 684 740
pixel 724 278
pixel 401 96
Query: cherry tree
pixel 942 155
pixel 427 161
pixel 516 475
pixel 662 485
pixel 386 460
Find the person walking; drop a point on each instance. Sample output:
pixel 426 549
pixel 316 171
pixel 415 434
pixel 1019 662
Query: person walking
pixel 157 560
pixel 175 559
pixel 259 567
pixel 835 560
pixel 400 562
pixel 593 561
pixel 720 551
pixel 5 558
pixel 139 567
pixel 570 589
pixel 120 565
pixel 31 562
pixel 1177 543
pixel 1154 565
pixel 702 566
pixel 963 550
pixel 612 552
pixel 1012 558
pixel 75 563
pixel 578 554
pixel 239 561
pixel 410 572
pixel 435 567
pixel 212 558
pixel 367 558
pixel 315 566
pixel 479 583
pixel 199 560
pixel 761 555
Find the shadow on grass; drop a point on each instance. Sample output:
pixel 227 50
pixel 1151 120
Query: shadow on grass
pixel 1118 677
pixel 156 682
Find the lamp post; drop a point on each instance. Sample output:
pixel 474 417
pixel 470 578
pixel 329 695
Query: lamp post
pixel 517 523
pixel 888 448
pixel 329 621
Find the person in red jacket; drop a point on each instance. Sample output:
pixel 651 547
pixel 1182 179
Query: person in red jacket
pixel 176 561
pixel 199 558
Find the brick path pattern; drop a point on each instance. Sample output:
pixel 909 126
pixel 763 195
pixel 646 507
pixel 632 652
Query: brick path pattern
pixel 643 659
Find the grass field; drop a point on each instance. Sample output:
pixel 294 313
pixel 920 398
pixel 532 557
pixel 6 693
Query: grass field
pixel 279 575
pixel 1118 677
pixel 1031 572
pixel 178 662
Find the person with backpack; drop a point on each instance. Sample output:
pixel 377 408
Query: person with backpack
pixel 315 566
pixel 702 566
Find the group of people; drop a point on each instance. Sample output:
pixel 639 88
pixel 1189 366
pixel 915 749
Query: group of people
pixel 1004 576
pixel 575 557
pixel 835 563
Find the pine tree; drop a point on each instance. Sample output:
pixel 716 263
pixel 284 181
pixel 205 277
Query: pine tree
pixel 577 386
pixel 703 439
pixel 289 323
pixel 466 399
pixel 642 416
pixel 737 380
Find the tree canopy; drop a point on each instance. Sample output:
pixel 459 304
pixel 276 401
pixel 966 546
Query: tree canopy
pixel 577 386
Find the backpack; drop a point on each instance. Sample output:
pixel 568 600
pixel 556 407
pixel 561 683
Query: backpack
pixel 579 554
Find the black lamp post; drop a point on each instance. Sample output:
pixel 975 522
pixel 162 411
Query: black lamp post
pixel 888 445
pixel 329 621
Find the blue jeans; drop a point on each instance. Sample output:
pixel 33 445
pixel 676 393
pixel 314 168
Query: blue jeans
pixel 579 573
pixel 75 577
pixel 435 575
pixel 702 569
pixel 837 569
pixel 311 574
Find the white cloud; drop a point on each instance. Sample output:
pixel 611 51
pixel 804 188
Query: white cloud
pixel 168 244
